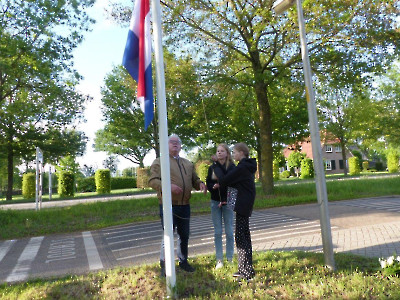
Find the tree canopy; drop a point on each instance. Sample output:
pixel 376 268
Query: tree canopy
pixel 38 99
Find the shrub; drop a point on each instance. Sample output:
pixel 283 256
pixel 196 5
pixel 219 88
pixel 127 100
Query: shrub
pixel 28 185
pixel 392 157
pixel 103 181
pixel 285 174
pixel 379 166
pixel 66 182
pixel 142 179
pixel 202 169
pixel 275 170
pixel 307 168
pixel 365 166
pixel 123 183
pixel 354 166
pixel 86 184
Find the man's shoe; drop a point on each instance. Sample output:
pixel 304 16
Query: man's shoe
pixel 186 267
pixel 219 265
pixel 162 265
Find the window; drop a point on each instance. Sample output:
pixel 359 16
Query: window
pixel 341 165
pixel 338 148
pixel 328 148
pixel 328 165
pixel 333 164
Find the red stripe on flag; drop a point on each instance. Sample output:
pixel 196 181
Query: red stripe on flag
pixel 144 10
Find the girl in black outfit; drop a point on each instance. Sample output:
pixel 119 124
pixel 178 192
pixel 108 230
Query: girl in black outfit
pixel 241 178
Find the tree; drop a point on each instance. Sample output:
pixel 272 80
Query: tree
pixel 111 163
pixel 124 133
pixel 345 113
pixel 37 79
pixel 294 160
pixel 244 42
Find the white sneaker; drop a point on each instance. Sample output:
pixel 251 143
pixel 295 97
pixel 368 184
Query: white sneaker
pixel 219 265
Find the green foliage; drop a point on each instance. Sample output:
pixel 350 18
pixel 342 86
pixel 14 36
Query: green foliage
pixel 365 166
pixel 202 169
pixel 142 177
pixel 38 96
pixel 66 184
pixel 392 158
pixel 359 156
pixel 68 164
pixel 295 158
pixel 307 168
pixel 86 184
pixel 128 172
pixel 29 185
pixel 379 166
pixel 354 165
pixel 118 183
pixel 285 174
pixel 103 181
pixel 275 170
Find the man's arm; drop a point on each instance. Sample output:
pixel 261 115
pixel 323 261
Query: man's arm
pixel 155 176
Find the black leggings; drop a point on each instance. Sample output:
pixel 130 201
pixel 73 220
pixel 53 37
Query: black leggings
pixel 243 245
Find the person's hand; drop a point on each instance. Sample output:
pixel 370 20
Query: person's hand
pixel 203 188
pixel 176 190
pixel 214 158
pixel 216 186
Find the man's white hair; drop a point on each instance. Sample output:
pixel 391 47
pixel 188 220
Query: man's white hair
pixel 176 137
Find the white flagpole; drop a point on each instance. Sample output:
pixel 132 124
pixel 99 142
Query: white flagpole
pixel 164 150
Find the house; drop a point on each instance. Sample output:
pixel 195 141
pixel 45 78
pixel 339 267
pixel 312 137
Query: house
pixel 331 153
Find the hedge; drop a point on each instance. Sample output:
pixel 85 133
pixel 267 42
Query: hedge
pixel 123 183
pixel 354 166
pixel 307 168
pixel 66 182
pixel 87 184
pixel 103 181
pixel 142 180
pixel 28 185
pixel 392 158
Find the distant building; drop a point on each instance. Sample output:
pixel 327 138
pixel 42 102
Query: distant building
pixel 331 153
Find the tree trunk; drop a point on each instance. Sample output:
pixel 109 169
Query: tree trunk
pixel 10 169
pixel 343 145
pixel 265 138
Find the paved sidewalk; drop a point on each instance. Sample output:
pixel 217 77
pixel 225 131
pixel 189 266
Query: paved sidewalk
pixel 368 227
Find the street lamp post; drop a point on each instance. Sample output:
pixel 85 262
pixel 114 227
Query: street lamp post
pixel 322 196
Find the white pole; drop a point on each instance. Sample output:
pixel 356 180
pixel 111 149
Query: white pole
pixel 37 179
pixel 164 151
pixel 320 182
pixel 41 184
pixel 50 184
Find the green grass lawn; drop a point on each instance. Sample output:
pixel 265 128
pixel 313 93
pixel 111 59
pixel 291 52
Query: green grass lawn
pixel 279 275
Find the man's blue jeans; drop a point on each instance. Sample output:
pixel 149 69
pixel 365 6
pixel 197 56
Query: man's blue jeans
pixel 181 221
pixel 217 214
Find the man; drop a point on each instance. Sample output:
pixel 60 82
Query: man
pixel 183 180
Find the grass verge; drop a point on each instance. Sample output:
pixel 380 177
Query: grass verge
pixel 282 275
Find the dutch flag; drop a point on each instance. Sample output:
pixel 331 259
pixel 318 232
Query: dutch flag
pixel 137 57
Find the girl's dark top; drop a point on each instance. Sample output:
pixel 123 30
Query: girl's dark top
pixel 217 194
pixel 242 178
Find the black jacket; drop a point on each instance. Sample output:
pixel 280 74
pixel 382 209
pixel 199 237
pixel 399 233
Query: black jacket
pixel 241 178
pixel 217 194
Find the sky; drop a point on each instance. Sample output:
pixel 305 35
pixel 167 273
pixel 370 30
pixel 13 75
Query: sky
pixel 94 58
